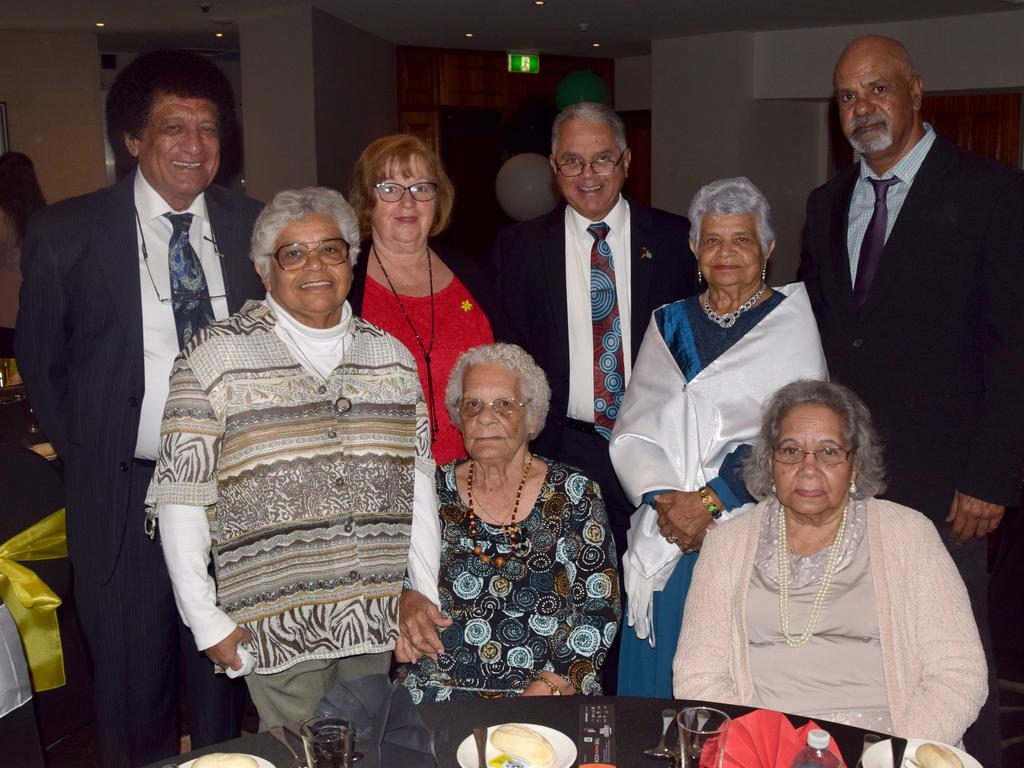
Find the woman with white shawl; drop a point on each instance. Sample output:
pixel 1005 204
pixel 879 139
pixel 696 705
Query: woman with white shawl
pixel 692 410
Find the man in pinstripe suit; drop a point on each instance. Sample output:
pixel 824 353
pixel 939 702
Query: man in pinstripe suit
pixel 99 326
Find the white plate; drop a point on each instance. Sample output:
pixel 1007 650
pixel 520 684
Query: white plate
pixel 565 749
pixel 259 761
pixel 880 755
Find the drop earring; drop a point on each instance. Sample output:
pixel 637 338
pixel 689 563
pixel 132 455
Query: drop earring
pixel 700 276
pixel 853 487
pixel 764 271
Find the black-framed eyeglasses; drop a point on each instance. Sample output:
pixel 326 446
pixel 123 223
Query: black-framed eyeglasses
pixel 392 192
pixel 333 250
pixel 603 166
pixel 830 456
pixel 145 261
pixel 471 407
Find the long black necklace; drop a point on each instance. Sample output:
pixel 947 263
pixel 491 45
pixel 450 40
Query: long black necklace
pixel 425 349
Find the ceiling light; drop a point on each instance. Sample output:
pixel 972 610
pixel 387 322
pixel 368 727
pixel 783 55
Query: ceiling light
pixel 538 2
pixel 101 24
pixel 596 45
pixel 218 34
pixel 469 34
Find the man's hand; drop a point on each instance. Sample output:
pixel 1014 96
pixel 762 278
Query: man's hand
pixel 418 622
pixel 225 653
pixel 973 517
pixel 684 516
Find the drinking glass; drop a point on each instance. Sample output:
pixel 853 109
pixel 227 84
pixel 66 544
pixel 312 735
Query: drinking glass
pixel 328 742
pixel 702 732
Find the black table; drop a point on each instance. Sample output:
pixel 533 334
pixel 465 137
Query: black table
pixel 637 726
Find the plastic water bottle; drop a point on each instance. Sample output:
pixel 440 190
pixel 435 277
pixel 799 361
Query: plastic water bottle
pixel 816 754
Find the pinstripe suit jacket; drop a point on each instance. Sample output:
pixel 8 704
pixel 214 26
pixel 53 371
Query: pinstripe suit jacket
pixel 80 349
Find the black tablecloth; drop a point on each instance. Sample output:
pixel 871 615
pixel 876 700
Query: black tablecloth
pixel 637 726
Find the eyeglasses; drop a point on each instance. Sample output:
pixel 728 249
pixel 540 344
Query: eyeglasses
pixel 503 406
pixel 830 457
pixel 332 251
pixel 391 192
pixel 600 167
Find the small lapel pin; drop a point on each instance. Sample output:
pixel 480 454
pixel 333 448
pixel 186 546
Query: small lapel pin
pixel 466 305
pixel 646 253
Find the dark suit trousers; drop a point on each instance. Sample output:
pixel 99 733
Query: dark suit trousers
pixel 141 652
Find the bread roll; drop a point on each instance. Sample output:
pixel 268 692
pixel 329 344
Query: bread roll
pixel 525 743
pixel 937 756
pixel 225 760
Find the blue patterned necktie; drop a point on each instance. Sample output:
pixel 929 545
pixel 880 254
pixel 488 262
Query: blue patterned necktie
pixel 609 376
pixel 190 297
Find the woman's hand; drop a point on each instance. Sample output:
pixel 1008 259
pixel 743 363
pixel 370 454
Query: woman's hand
pixel 541 688
pixel 683 515
pixel 418 622
pixel 225 653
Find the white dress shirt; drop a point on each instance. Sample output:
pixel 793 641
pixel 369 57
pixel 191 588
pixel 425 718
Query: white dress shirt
pixel 159 332
pixel 578 244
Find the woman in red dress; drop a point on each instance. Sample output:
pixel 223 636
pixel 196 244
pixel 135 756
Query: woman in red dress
pixel 434 300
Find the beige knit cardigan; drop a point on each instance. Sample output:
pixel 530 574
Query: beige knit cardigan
pixel 932 659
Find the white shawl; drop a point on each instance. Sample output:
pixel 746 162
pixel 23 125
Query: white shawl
pixel 674 434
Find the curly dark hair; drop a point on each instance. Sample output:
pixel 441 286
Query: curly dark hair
pixel 166 72
pixel 20 195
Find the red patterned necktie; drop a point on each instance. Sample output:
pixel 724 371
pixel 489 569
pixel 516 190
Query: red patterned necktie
pixel 609 377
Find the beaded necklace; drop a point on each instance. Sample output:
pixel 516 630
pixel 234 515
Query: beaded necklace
pixel 426 349
pixel 826 579
pixel 728 320
pixel 510 530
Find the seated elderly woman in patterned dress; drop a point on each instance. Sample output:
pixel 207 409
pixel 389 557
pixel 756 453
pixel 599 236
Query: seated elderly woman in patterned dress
pixel 529 591
pixel 295 447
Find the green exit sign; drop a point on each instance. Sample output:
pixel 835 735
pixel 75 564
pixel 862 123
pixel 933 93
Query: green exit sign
pixel 527 63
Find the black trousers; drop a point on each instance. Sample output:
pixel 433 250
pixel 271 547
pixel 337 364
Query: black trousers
pixel 143 656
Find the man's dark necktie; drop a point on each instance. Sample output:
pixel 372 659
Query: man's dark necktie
pixel 609 378
pixel 190 296
pixel 874 241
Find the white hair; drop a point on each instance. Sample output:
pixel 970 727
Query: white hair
pixel 590 112
pixel 295 204
pixel 732 197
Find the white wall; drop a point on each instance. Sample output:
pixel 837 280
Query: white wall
pixel 278 109
pixel 51 84
pixel 756 104
pixel 632 83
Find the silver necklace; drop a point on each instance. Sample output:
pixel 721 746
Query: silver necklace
pixel 826 580
pixel 342 404
pixel 728 320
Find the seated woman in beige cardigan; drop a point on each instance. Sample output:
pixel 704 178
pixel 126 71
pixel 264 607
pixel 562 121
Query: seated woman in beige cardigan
pixel 825 601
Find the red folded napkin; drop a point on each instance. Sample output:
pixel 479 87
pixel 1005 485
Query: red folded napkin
pixel 766 739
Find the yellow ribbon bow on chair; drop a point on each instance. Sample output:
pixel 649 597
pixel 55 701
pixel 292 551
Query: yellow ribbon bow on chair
pixel 32 604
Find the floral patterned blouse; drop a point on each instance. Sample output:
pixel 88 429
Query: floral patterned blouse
pixel 552 605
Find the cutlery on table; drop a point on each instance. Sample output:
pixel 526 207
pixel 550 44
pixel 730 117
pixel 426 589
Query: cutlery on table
pixel 660 751
pixel 870 739
pixel 480 734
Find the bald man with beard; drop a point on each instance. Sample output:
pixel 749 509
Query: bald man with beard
pixel 914 262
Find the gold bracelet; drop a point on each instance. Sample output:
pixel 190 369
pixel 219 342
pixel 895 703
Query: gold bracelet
pixel 555 690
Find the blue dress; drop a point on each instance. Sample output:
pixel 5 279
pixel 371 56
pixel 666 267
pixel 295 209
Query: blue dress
pixel 695 341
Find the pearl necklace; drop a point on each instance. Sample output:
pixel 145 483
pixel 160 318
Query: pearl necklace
pixel 728 320
pixel 826 579
pixel 510 530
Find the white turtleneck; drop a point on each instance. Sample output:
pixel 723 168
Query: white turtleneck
pixel 185 530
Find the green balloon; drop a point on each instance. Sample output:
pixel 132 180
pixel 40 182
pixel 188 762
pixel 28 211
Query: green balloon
pixel 581 85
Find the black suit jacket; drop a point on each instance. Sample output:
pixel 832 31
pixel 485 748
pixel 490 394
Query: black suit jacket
pixel 80 348
pixel 528 261
pixel 937 351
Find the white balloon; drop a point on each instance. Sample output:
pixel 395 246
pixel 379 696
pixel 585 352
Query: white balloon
pixel 525 186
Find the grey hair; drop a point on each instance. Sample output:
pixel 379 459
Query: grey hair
pixel 732 197
pixel 295 204
pixel 858 432
pixel 533 384
pixel 590 112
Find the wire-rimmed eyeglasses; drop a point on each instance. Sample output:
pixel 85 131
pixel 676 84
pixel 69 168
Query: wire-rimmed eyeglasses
pixel 392 192
pixel 333 250
pixel 830 456
pixel 602 166
pixel 471 407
